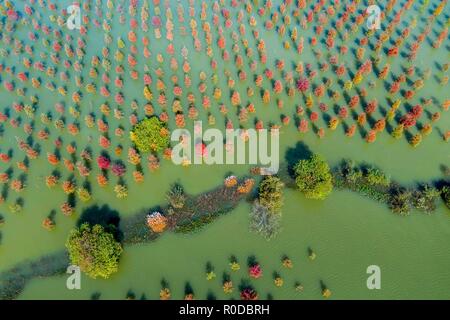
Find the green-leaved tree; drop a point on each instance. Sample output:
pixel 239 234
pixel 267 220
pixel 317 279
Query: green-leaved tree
pixel 94 250
pixel 313 177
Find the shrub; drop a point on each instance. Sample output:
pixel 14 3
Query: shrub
pixel 271 193
pixel 230 181
pixel 15 207
pixel 94 250
pixel 255 271
pixel 67 209
pixel 425 198
pixel 246 186
pixel 103 162
pixel 156 222
pixel 84 194
pixel 164 294
pixel 176 197
pixel 400 201
pixel 263 222
pixel 118 169
pixel 446 195
pixel 278 281
pixel 369 181
pixel 150 135
pixel 249 294
pixel 376 177
pixel 48 224
pixel 313 177
pixel 197 224
pixel 121 191
pixel 228 287
pixel 349 172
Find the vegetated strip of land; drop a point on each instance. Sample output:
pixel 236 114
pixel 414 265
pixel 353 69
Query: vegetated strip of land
pixel 14 280
pixel 198 211
pixel 371 182
pixel 204 208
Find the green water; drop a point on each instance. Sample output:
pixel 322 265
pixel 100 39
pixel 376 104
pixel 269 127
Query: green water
pixel 347 232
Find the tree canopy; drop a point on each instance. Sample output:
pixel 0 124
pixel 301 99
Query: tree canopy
pixel 313 177
pixel 271 193
pixel 150 134
pixel 94 250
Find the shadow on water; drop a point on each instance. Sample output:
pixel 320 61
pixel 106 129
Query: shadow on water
pixel 96 296
pixel 188 288
pixel 130 295
pixel 300 152
pixel 211 296
pixel 104 216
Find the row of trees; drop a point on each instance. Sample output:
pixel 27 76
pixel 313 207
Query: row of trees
pixel 316 180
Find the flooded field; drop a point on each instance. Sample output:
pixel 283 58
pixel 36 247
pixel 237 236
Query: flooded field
pixel 378 97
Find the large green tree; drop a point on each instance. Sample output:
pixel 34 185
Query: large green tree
pixel 94 250
pixel 271 193
pixel 313 177
pixel 150 134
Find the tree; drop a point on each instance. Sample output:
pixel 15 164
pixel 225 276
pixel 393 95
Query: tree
pixel 425 198
pixel 271 193
pixel 313 177
pixel 446 195
pixel 400 201
pixel 150 135
pixel 375 177
pixel 263 222
pixel 176 196
pixel 94 250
